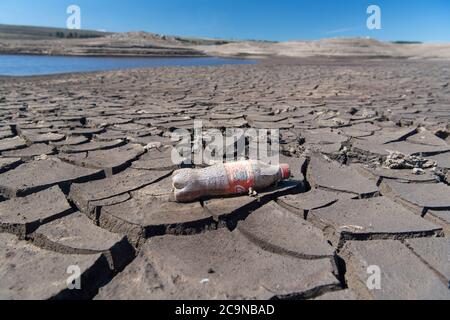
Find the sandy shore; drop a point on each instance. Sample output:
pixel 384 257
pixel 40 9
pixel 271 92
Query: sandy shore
pixel 85 180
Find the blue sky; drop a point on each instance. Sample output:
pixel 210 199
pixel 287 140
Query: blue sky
pixel 244 19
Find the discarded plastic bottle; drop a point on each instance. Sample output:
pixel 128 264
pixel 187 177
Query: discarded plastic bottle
pixel 226 179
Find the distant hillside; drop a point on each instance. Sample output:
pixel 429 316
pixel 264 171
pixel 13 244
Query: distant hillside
pixel 339 47
pixel 57 41
pixel 15 32
pixel 45 33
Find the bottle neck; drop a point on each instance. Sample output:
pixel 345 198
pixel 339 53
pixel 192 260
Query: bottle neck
pixel 285 171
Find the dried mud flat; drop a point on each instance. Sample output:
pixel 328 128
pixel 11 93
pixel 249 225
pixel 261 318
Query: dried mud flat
pixel 81 185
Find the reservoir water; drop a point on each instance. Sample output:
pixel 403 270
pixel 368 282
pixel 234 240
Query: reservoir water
pixel 29 65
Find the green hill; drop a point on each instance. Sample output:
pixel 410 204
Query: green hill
pixel 42 33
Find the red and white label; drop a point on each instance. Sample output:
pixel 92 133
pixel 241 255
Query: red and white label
pixel 240 176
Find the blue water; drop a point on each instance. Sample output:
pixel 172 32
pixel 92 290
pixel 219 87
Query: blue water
pixel 27 65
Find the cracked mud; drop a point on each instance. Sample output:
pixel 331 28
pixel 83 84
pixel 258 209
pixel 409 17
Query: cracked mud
pixel 85 180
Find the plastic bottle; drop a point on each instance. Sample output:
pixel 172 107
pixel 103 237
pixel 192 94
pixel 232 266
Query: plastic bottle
pixel 226 179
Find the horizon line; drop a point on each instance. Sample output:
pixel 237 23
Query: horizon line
pixel 234 39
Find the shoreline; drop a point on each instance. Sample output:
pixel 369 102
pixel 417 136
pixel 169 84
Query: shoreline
pixel 262 61
pixel 204 61
pixel 75 55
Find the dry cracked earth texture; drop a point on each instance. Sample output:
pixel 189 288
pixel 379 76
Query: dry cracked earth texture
pixel 85 180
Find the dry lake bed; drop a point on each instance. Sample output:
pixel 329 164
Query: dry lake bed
pixel 85 183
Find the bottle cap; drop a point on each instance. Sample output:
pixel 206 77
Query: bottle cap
pixel 285 171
